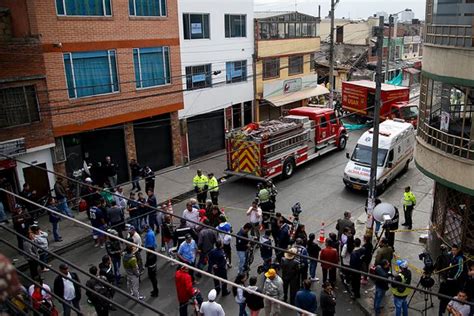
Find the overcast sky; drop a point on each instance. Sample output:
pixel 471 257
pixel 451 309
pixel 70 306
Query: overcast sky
pixel 346 8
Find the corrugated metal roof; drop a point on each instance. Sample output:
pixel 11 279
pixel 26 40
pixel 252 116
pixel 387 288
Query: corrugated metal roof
pixel 268 14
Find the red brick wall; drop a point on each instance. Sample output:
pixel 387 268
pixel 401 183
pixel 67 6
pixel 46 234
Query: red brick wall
pixel 18 11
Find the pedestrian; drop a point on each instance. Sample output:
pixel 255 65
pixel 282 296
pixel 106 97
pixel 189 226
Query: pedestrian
pixel 151 211
pixel 218 266
pixel 367 256
pixel 290 273
pixel 41 298
pixel 273 193
pixel 200 184
pixel 384 252
pixel 335 243
pixel 134 211
pixel 390 228
pixel 106 269
pixel 213 185
pixel 283 238
pixel 346 252
pixel 21 219
pixel 409 202
pixel 135 237
pixel 135 171
pixel 242 245
pixel 101 305
pixel 151 260
pixel 167 233
pixel 305 299
pixel 456 271
pixel 65 288
pixel 184 289
pixel 254 214
pixel 110 169
pixel 61 197
pixel 344 222
pixel 3 216
pixel 313 251
pixel 130 265
pixel 266 250
pixel 327 300
pixel 300 232
pixel 381 286
pixel 214 215
pixel 329 254
pixel 187 252
pixel 206 240
pixel 98 222
pixel 142 211
pixel 40 238
pixel 460 308
pixel 32 256
pixel 150 238
pixel 301 254
pixel 272 287
pixel 30 196
pixel 226 239
pixel 54 219
pixel 149 176
pixel 114 250
pixel 400 292
pixel 211 307
pixel 263 195
pixel 469 286
pixel 275 226
pixel 115 218
pixel 191 215
pixel 254 301
pixel 119 198
pixel 239 293
pixel 355 263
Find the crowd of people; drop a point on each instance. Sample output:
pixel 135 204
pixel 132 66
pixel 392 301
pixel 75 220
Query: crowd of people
pixel 201 239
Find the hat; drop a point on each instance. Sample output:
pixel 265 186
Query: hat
pixel 402 263
pixel 188 236
pixel 270 273
pixel 291 254
pixel 202 212
pixel 89 180
pixel 113 232
pixel 212 295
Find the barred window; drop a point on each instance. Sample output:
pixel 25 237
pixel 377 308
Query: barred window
pixel 18 106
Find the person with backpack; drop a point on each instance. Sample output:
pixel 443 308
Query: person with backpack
pixel 355 263
pixel 41 298
pixel 400 292
pixel 254 302
pixel 302 262
pixel 101 306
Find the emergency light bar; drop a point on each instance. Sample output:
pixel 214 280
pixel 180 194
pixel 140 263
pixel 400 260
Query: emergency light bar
pixel 383 133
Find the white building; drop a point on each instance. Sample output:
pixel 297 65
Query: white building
pixel 217 44
pixel 407 16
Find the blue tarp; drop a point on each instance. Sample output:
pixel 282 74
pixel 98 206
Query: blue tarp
pixel 397 81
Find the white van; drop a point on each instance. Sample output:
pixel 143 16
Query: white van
pixel 396 146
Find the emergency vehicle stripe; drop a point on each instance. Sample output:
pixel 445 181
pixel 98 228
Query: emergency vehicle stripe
pixel 245 157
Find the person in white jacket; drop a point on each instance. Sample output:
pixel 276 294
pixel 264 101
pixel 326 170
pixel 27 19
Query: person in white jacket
pixel 273 287
pixel 40 238
pixel 211 307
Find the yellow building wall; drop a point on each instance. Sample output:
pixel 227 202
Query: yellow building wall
pixel 267 48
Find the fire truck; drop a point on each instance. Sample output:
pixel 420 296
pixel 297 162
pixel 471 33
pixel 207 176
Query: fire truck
pixel 264 150
pixel 359 97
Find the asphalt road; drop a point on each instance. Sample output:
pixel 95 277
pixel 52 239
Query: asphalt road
pixel 317 185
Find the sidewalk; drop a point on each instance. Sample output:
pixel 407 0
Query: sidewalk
pixel 172 184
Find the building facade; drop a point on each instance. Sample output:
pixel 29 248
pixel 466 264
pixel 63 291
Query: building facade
pixel 216 61
pixel 285 76
pixel 113 76
pixel 445 141
pixel 25 119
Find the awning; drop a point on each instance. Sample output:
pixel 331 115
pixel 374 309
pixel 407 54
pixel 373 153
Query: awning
pixel 412 71
pixel 297 96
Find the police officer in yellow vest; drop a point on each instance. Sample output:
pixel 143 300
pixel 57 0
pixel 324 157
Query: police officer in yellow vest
pixel 200 183
pixel 213 185
pixel 400 292
pixel 265 203
pixel 409 202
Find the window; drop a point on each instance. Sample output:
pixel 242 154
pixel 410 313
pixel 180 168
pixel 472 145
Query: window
pixel 332 118
pixel 147 7
pixel 19 106
pixel 198 77
pixel 91 73
pixel 322 122
pixel 236 115
pixel 415 48
pixel 236 71
pixel 195 26
pixel 295 65
pixel 84 8
pixel 235 25
pixel 247 112
pixel 152 66
pixel 271 68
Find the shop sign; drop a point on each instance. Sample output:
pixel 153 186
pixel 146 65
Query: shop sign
pixel 13 147
pixel 292 85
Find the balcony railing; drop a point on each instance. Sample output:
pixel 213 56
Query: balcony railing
pixel 450 144
pixel 449 35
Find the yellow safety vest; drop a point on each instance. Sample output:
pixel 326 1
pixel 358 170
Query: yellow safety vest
pixel 409 199
pixel 405 292
pixel 213 185
pixel 263 195
pixel 200 181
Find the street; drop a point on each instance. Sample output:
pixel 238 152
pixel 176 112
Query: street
pixel 317 185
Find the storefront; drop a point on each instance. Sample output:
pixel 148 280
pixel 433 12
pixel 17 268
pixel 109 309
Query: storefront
pixel 206 134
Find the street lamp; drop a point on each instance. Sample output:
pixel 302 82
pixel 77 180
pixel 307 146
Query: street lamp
pixel 390 22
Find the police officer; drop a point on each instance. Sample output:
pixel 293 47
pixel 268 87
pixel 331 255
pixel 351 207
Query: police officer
pixel 264 198
pixel 400 292
pixel 213 185
pixel 409 202
pixel 200 183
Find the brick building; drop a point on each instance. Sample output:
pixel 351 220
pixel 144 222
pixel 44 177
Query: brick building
pixel 113 75
pixel 25 122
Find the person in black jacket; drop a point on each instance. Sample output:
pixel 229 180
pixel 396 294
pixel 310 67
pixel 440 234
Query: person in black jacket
pixel 70 291
pixel 283 238
pixel 356 264
pixel 327 300
pixel 150 263
pixel 135 171
pixel 218 265
pixel 313 251
pixel 290 273
pixel 254 302
pixel 101 305
pixel 381 286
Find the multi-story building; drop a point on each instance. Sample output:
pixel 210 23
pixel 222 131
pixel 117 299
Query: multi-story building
pixel 25 122
pixel 445 136
pixel 113 76
pixel 216 60
pixel 285 77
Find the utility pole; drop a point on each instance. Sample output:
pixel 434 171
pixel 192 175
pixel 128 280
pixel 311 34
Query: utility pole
pixel 387 66
pixel 375 134
pixel 331 55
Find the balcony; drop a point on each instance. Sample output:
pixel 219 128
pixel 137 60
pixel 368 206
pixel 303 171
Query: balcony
pixel 449 35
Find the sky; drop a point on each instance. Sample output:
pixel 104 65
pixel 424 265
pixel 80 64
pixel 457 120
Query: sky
pixel 346 8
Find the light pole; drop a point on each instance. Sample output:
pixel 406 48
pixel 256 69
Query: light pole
pixel 390 22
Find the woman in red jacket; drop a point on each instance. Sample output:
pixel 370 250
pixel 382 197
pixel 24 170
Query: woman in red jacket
pixel 329 254
pixel 185 290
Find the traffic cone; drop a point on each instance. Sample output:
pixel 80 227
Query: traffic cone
pixel 321 239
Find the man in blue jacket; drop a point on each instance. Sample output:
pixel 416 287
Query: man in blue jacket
pixel 305 299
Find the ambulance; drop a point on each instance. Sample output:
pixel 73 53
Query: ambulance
pixel 396 147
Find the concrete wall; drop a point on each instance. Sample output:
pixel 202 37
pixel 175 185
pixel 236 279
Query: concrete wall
pixel 449 62
pixel 268 48
pixel 216 50
pixel 355 32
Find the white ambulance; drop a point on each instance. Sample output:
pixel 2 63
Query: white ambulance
pixel 396 146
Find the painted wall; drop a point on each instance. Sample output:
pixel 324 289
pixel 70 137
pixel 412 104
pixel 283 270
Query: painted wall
pixel 449 62
pixel 268 48
pixel 216 50
pixel 355 32
pixel 36 156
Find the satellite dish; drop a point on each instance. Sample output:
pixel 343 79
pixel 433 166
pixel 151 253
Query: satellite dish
pixel 86 168
pixel 383 212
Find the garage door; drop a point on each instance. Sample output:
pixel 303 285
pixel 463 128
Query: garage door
pixel 153 142
pixel 205 134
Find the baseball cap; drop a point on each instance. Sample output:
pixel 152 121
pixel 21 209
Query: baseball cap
pixel 270 273
pixel 402 263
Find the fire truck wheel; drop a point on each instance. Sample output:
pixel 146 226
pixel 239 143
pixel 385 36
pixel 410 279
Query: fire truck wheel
pixel 288 168
pixel 342 143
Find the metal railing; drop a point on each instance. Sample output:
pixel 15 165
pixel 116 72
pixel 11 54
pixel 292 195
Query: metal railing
pixel 449 35
pixel 450 144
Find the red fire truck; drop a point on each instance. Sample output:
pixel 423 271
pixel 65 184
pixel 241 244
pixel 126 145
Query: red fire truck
pixel 359 97
pixel 268 149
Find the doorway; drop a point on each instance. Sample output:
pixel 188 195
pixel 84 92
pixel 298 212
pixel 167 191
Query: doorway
pixel 37 179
